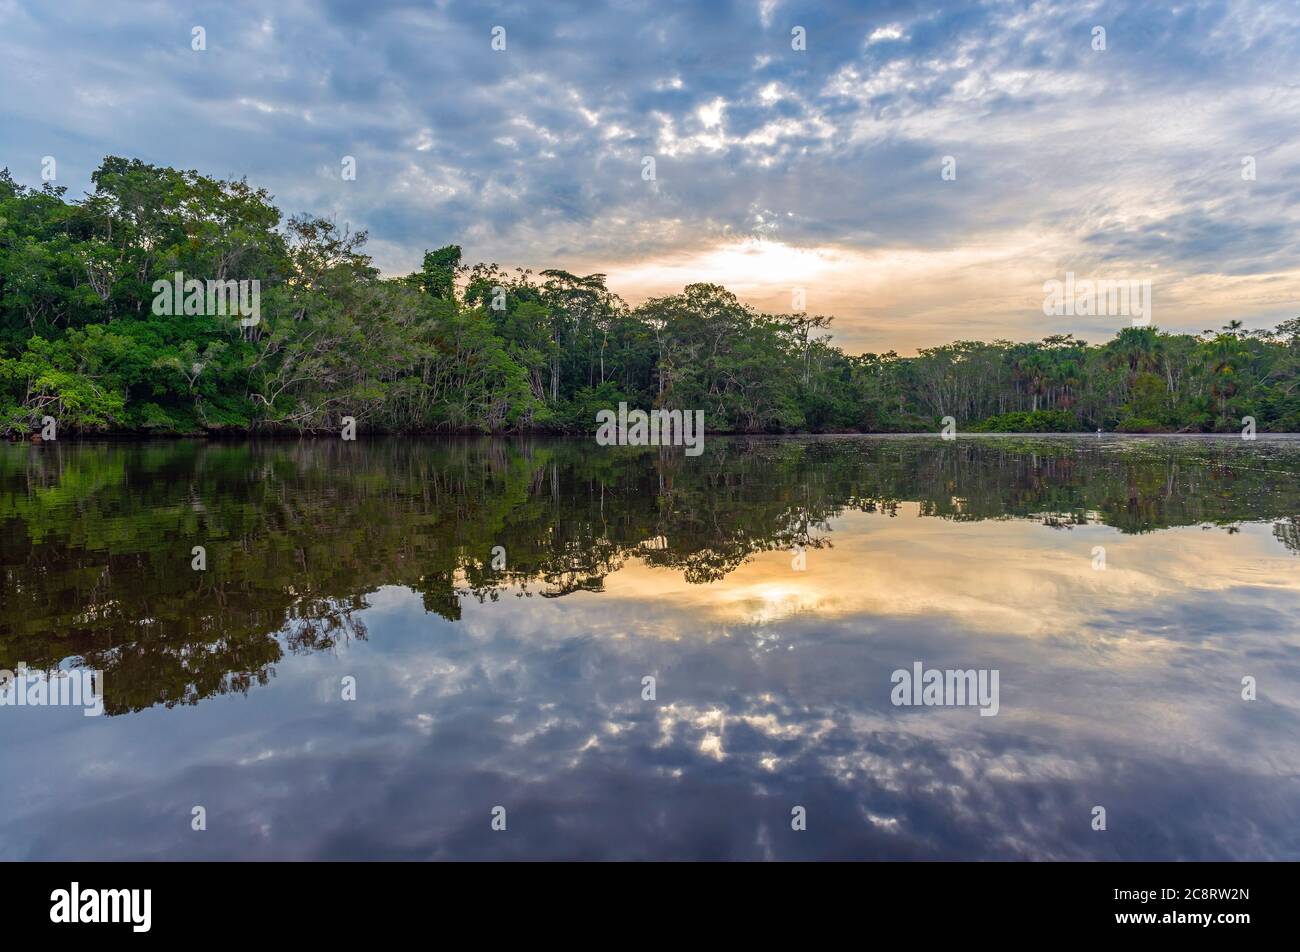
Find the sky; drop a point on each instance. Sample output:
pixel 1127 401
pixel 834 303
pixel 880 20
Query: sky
pixel 1171 155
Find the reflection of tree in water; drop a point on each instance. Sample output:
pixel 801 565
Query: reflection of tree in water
pixel 96 543
pixel 1288 533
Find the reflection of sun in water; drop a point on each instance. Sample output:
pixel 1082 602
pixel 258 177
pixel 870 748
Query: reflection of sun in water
pixel 770 601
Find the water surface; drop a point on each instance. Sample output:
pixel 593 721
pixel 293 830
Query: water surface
pixel 770 587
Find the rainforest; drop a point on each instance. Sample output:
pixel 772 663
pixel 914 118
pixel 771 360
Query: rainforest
pixel 474 348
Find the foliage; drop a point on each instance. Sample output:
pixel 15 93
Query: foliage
pixel 459 348
pixel 1030 421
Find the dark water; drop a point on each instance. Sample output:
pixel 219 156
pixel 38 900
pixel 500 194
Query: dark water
pixel 522 686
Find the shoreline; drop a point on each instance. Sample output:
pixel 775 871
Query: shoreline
pixel 322 435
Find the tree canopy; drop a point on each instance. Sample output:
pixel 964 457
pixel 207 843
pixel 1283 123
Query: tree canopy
pixel 472 348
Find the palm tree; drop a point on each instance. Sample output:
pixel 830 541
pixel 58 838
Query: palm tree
pixel 1137 349
pixel 1224 358
pixel 1069 377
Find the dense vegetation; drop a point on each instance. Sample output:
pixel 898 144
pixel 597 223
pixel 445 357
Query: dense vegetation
pixel 459 348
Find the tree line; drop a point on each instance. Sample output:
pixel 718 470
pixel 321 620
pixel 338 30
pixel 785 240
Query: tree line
pixel 474 348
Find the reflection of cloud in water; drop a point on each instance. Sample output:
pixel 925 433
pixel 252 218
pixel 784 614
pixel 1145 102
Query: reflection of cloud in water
pixel 535 704
pixel 1008 576
pixel 1119 688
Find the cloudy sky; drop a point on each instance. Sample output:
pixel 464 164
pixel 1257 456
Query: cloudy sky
pixel 774 168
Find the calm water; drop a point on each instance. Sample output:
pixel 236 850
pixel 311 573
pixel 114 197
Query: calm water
pixel 521 685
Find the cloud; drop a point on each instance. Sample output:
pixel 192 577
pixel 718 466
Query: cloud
pixel 1124 162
